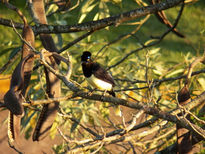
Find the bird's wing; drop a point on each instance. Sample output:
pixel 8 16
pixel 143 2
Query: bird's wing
pixel 102 74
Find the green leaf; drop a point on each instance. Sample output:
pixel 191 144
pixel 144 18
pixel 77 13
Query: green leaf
pixel 117 1
pixel 53 130
pixel 14 52
pixel 5 51
pixel 158 69
pixel 73 127
pixel 154 51
pixel 60 41
pixel 157 72
pixel 175 72
pixel 52 8
pixel 28 119
pixel 28 132
pixel 87 8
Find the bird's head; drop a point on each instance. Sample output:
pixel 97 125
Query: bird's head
pixel 86 57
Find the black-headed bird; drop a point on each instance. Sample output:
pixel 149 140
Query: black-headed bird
pixel 97 76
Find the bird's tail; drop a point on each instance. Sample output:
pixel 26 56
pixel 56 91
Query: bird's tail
pixel 111 93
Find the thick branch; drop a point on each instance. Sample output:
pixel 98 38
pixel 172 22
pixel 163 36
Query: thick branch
pixel 7 22
pixel 99 24
pixel 113 20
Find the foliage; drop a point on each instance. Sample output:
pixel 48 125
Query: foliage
pixel 134 76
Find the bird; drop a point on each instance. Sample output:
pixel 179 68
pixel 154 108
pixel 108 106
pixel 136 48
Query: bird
pixel 96 75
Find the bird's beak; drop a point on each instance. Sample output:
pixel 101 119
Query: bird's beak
pixel 88 60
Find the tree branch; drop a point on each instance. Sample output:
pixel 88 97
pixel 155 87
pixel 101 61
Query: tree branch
pixel 7 22
pixel 99 24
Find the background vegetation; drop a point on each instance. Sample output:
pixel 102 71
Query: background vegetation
pixel 168 59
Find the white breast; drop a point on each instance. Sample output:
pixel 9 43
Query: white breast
pixel 97 83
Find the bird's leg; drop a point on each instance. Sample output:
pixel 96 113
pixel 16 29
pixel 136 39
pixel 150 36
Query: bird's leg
pixel 104 92
pixel 91 91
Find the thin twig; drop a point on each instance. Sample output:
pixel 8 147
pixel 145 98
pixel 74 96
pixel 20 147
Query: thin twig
pixel 61 133
pixel 124 36
pixel 98 149
pixel 159 39
pixel 133 148
pixel 67 82
pixel 131 126
pixel 73 141
pixel 75 41
pixel 76 121
pixel 156 82
pixel 118 138
pixel 22 39
pixel 191 67
pixel 47 101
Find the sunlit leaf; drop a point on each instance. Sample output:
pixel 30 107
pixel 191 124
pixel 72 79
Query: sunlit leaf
pixel 175 72
pixel 202 82
pixel 87 8
pixel 52 8
pixel 154 51
pixel 53 130
pixel 149 41
pixel 157 72
pixel 82 18
pixel 30 119
pixel 158 68
pixel 117 1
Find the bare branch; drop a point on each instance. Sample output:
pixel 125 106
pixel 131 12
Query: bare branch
pixel 118 138
pixel 158 81
pixel 67 82
pixel 47 101
pixel 191 67
pixel 7 22
pixel 99 24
